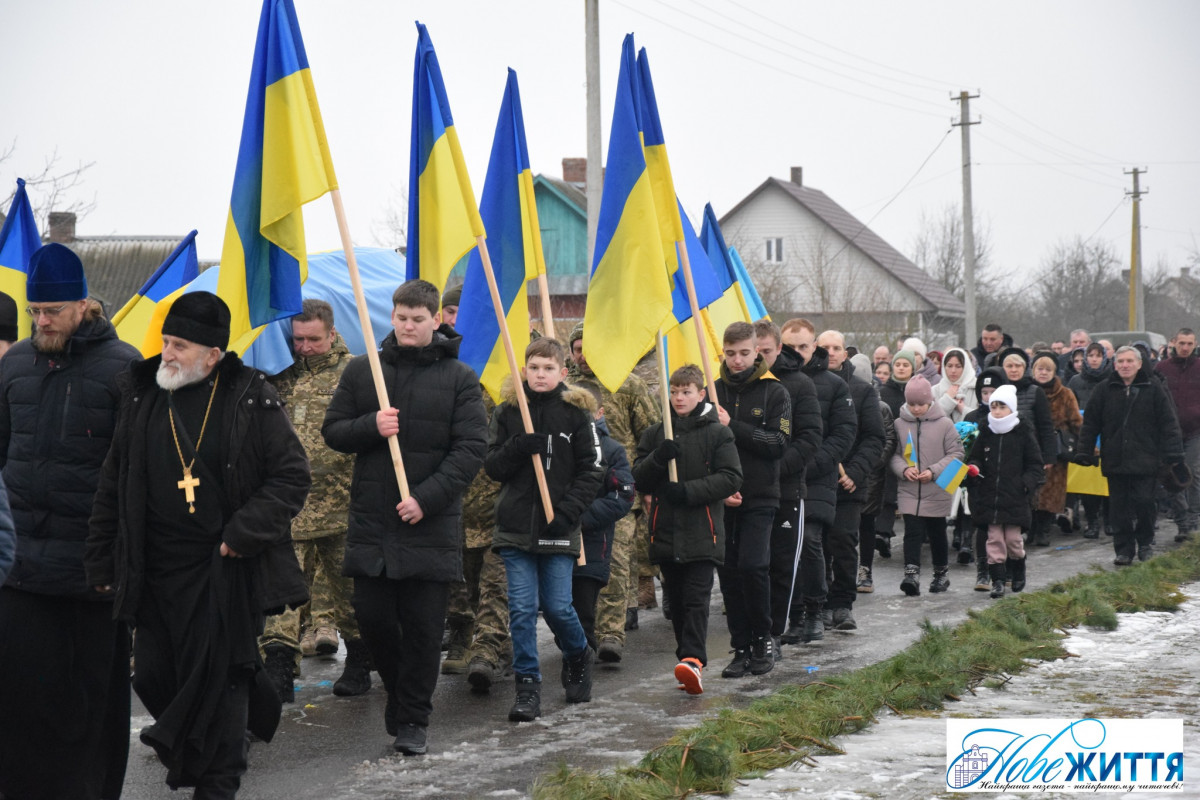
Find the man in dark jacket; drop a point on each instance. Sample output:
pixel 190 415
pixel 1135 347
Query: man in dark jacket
pixel 403 554
pixel 195 563
pixel 64 714
pixel 1138 430
pixel 992 340
pixel 1182 373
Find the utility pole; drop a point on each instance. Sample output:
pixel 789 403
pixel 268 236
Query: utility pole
pixel 1137 299
pixel 968 235
pixel 595 165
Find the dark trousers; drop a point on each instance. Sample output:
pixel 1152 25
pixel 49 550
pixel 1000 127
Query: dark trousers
pixel 866 536
pixel 812 588
pixel 408 663
pixel 915 530
pixel 745 577
pixel 688 588
pixel 584 594
pixel 785 539
pixel 1132 507
pixel 841 555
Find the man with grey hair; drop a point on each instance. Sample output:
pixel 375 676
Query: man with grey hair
pixel 1139 431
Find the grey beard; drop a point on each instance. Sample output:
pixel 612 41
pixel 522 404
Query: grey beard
pixel 176 377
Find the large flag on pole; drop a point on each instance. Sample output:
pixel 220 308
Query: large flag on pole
pixel 139 322
pixel 509 212
pixel 629 293
pixel 18 239
pixel 283 162
pixel 730 307
pixel 682 346
pixel 443 219
pixel 666 203
pixel 753 304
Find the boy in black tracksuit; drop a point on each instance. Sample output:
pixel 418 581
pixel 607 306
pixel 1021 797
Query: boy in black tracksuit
pixel 687 530
pixel 758 410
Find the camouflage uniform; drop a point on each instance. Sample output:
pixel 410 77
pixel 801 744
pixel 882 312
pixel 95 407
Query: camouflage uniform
pixel 628 412
pixel 319 531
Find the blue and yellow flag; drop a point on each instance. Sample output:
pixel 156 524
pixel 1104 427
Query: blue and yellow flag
pixel 283 162
pixel 443 219
pixel 18 240
pixel 730 307
pixel 910 452
pixel 952 476
pixel 748 294
pixel 629 294
pixel 139 322
pixel 666 203
pixel 515 246
pixel 682 347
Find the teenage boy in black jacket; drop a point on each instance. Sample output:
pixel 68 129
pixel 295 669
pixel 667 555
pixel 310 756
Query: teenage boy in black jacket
pixel 756 407
pixel 687 525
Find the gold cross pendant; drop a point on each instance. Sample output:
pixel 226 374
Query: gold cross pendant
pixel 189 484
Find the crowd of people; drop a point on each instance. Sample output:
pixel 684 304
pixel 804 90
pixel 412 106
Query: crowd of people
pixel 218 525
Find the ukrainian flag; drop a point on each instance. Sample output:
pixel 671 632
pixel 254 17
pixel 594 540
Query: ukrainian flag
pixel 952 476
pixel 139 322
pixel 747 294
pixel 731 307
pixel 18 239
pixel 910 452
pixel 283 162
pixel 515 247
pixel 629 294
pixel 666 203
pixel 682 347
pixel 443 219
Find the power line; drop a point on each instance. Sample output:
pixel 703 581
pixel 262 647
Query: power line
pixel 1100 227
pixel 992 98
pixel 1062 172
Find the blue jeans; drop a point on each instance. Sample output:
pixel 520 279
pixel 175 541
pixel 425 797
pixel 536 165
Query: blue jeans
pixel 540 579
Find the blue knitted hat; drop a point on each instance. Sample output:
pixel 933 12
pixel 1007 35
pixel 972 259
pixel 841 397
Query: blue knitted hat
pixel 55 275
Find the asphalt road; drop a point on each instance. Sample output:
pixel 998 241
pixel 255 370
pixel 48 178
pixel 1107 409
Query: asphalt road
pixel 331 747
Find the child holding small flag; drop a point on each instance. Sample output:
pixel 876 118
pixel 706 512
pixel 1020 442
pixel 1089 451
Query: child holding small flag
pixel 926 444
pixel 1009 462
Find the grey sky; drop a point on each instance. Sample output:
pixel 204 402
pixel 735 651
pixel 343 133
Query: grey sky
pixel 857 93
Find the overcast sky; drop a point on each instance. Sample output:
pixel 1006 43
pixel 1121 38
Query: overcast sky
pixel 858 93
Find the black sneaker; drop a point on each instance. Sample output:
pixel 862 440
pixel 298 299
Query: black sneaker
pixel 410 739
pixel 826 615
pixel 793 635
pixel 1145 553
pixel 762 656
pixel 814 629
pixel 740 666
pixel 883 545
pixel 1123 560
pixel 528 705
pixel 577 675
pixel 843 620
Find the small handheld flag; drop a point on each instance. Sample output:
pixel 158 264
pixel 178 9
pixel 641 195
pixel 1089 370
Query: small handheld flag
pixel 952 476
pixel 910 452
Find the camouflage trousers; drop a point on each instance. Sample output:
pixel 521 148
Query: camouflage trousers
pixel 321 560
pixel 622 583
pixel 479 606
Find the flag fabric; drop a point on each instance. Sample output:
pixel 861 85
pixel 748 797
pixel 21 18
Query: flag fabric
pixel 682 345
pixel 18 240
pixel 443 219
pixel 1086 480
pixel 746 291
pixel 283 162
pixel 515 246
pixel 629 291
pixel 910 452
pixel 658 167
pixel 729 307
pixel 952 476
pixel 139 322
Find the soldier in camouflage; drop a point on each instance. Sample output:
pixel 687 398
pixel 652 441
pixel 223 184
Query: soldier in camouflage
pixel 629 411
pixel 319 531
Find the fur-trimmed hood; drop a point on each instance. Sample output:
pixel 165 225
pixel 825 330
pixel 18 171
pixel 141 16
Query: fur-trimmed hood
pixel 574 395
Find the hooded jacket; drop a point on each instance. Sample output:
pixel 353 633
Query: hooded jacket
pixel 1183 381
pixel 573 467
pixel 965 384
pixel 1085 382
pixel 807 426
pixel 443 435
pixel 1010 472
pixel 613 501
pixel 866 454
pixel 937 444
pixel 760 417
pixel 1136 424
pixel 709 471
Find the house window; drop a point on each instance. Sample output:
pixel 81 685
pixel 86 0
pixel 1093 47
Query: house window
pixel 775 251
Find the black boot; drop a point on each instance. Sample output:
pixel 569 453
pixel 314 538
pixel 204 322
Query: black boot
pixel 1017 566
pixel 1093 527
pixel 982 580
pixel 997 573
pixel 941 580
pixel 814 626
pixel 528 705
pixel 883 544
pixel 356 675
pixel 577 677
pixel 911 585
pixel 280 664
pixel 1040 535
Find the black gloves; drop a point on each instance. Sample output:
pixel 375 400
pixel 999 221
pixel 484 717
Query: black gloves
pixel 1083 460
pixel 666 451
pixel 675 493
pixel 530 444
pixel 558 528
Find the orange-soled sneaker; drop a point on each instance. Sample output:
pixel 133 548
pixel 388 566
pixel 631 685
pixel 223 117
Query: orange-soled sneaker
pixel 687 672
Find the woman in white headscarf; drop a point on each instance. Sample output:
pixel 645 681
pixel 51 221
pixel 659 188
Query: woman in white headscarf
pixel 955 393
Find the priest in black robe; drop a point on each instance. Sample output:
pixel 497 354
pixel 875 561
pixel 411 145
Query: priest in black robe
pixel 190 532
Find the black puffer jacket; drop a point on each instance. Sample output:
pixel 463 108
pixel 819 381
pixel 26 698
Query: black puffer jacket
pixel 1010 472
pixel 614 501
pixel 573 469
pixel 1086 381
pixel 709 471
pixel 1136 424
pixel 891 393
pixel 1034 408
pixel 867 452
pixel 760 416
pixel 58 413
pixel 806 424
pixel 873 500
pixel 840 421
pixel 443 435
pixel 265 481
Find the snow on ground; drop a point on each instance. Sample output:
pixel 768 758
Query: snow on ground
pixel 1146 668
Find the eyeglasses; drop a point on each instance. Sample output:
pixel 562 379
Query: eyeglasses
pixel 52 312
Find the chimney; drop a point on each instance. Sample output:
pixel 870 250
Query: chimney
pixel 798 176
pixel 1185 272
pixel 62 226
pixel 575 170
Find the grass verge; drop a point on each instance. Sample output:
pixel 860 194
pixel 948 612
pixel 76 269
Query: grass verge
pixel 801 721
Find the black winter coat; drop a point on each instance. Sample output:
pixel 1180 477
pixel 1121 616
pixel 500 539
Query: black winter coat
pixel 265 481
pixel 760 416
pixel 58 413
pixel 1137 426
pixel 807 427
pixel 613 502
pixel 1010 472
pixel 867 452
pixel 1034 407
pixel 984 359
pixel 709 471
pixel 1085 382
pixel 443 435
pixel 573 469
pixel 873 500
pixel 891 393
pixel 840 422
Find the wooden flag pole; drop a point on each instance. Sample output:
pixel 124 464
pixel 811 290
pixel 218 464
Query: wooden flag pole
pixel 664 393
pixel 364 320
pixel 547 316
pixel 681 248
